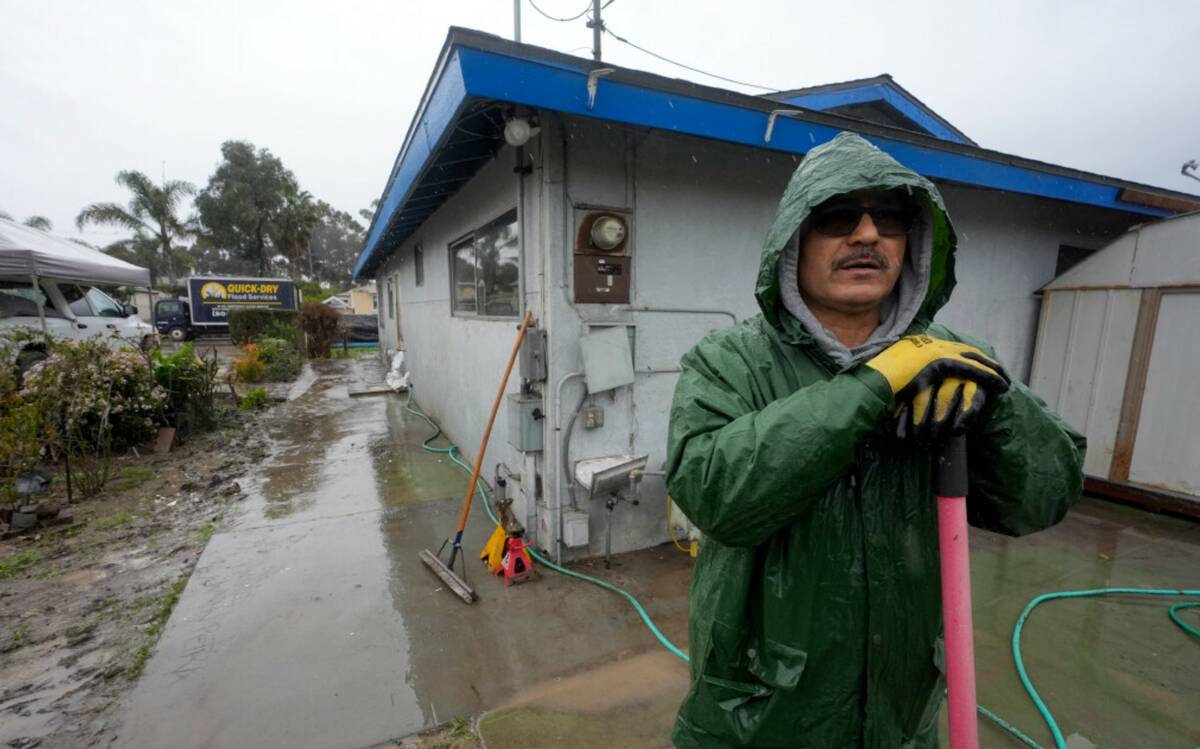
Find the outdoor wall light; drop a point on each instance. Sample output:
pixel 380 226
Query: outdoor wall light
pixel 518 131
pixel 608 232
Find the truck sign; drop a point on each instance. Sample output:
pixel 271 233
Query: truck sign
pixel 212 297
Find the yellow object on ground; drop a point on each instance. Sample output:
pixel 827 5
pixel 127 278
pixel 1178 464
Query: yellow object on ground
pixel 493 550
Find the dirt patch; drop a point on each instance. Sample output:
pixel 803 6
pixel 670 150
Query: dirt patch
pixel 81 607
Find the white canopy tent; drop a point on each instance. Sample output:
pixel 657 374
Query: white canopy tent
pixel 26 252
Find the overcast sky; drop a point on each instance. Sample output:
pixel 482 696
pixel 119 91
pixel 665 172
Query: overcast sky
pixel 89 88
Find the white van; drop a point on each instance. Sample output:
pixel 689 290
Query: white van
pixel 73 311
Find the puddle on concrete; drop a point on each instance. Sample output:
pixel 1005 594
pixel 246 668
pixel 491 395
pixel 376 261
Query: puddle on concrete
pixel 406 473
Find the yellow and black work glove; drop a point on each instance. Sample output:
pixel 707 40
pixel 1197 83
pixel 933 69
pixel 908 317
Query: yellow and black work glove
pixel 939 411
pixel 941 386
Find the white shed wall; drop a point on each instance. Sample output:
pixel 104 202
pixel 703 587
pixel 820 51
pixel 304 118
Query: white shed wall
pixel 1084 344
pixel 1167 451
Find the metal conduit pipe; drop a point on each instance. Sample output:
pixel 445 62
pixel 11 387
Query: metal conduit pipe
pixel 558 458
pixel 681 311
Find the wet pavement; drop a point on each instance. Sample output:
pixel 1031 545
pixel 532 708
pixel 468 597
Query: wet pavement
pixel 311 623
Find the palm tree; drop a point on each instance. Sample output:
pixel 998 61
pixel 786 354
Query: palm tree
pixel 293 228
pixel 151 211
pixel 33 222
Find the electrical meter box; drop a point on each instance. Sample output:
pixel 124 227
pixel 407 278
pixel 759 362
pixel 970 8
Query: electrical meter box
pixel 525 422
pixel 603 256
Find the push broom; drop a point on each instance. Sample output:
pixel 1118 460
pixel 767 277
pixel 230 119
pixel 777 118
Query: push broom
pixel 445 570
pixel 950 484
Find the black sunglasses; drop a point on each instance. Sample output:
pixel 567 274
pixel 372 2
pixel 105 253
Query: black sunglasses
pixel 843 218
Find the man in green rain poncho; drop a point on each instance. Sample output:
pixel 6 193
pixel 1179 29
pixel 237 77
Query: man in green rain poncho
pixel 800 445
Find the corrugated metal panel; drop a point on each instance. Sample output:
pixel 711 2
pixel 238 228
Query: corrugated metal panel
pixel 1167 451
pixel 1081 361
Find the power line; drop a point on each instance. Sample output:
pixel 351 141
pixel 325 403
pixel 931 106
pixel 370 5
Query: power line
pixel 623 40
pixel 575 17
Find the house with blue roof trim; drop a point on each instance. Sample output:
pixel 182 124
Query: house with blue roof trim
pixel 604 198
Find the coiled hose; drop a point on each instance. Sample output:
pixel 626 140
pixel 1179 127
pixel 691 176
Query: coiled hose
pixel 1051 723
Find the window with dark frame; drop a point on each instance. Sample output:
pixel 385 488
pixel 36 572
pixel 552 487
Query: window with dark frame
pixel 391 300
pixel 419 264
pixel 485 270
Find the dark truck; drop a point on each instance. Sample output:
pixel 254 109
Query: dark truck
pixel 206 309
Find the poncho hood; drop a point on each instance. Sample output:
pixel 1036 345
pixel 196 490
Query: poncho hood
pixel 849 163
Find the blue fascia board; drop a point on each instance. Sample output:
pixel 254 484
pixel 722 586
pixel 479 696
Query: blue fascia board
pixel 557 88
pixel 562 88
pixel 823 100
pixel 437 117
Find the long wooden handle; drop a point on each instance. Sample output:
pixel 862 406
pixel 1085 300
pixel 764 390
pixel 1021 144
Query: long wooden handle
pixel 487 433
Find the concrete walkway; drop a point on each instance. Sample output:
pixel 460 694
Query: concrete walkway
pixel 312 623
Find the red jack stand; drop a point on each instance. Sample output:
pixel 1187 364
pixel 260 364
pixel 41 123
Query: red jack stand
pixel 517 564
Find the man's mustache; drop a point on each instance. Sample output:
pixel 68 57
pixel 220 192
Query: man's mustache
pixel 863 253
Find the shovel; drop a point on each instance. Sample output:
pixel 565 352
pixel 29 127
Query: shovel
pixel 950 484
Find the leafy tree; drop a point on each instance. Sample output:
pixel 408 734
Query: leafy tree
pixel 336 242
pixel 249 197
pixel 368 213
pixel 150 215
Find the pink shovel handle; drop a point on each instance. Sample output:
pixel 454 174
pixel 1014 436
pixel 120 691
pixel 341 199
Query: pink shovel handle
pixel 956 595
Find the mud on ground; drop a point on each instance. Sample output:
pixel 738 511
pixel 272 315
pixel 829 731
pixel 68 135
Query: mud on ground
pixel 82 606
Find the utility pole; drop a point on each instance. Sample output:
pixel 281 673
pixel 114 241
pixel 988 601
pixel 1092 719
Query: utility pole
pixel 597 27
pixel 517 20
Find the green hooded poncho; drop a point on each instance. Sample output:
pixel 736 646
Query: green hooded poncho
pixel 815 607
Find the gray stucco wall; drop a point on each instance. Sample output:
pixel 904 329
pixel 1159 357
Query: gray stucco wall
pixel 700 210
pixel 456 361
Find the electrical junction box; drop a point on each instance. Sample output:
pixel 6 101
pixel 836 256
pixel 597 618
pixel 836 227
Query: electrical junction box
pixel 532 358
pixel 574 525
pixel 607 359
pixel 525 419
pixel 593 417
pixel 575 529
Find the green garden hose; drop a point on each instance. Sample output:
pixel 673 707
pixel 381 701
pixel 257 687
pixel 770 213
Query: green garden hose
pixel 1059 741
pixel 452 453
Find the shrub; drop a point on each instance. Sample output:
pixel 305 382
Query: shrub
pixel 20 428
pixel 86 387
pixel 246 325
pixel 189 383
pixel 255 399
pixel 90 399
pixel 248 364
pixel 320 324
pixel 280 358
